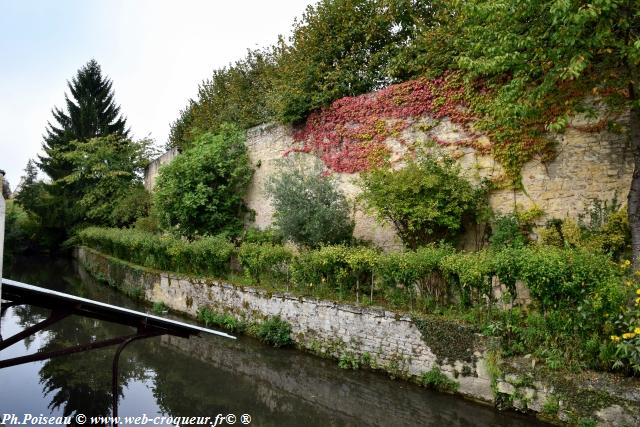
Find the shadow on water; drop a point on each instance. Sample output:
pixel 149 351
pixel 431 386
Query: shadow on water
pixel 206 376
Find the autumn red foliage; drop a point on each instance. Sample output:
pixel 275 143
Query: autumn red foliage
pixel 348 136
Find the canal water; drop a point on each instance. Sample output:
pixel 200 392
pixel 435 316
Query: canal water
pixel 202 377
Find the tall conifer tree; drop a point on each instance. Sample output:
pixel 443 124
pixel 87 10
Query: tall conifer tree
pixel 91 112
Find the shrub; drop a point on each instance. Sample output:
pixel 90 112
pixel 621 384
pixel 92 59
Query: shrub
pixel 420 268
pixel 207 255
pixel 605 231
pixel 322 267
pixel 471 273
pixel 627 337
pixel 201 192
pixel 309 210
pixel 426 201
pixel 436 380
pixel 260 259
pixel 269 235
pixel 507 232
pixel 276 332
pixel 211 317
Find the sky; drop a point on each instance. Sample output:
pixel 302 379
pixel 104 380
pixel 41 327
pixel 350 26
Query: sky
pixel 156 52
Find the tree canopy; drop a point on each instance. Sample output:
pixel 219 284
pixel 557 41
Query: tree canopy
pixel 91 112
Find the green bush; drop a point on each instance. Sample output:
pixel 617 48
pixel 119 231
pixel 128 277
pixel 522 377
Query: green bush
pixel 436 380
pixel 470 273
pixel 207 255
pixel 211 317
pixel 426 201
pixel 275 331
pixel 265 259
pixel 201 192
pixel 269 235
pixel 309 210
pixel 507 232
pixel 421 268
pixel 606 231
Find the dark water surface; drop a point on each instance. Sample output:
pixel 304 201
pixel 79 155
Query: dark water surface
pixel 203 376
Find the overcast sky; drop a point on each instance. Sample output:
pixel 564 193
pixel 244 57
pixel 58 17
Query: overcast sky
pixel 155 52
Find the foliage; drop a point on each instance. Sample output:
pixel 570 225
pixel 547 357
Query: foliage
pixel 627 337
pixel 309 210
pixel 206 255
pixel 268 235
pixel 470 273
pixel 159 307
pixel 20 228
pixel 341 48
pixel 348 136
pixel 507 232
pixel 265 259
pixel 210 317
pixel 275 331
pixel 106 177
pixel 234 94
pixel 420 269
pixel 91 113
pixel 607 230
pixel 436 380
pixel 576 295
pixel 201 192
pixel 426 201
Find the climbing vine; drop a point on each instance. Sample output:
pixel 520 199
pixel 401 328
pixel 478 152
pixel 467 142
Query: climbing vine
pixel 348 136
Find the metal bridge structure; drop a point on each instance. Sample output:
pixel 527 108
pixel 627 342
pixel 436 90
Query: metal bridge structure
pixel 62 305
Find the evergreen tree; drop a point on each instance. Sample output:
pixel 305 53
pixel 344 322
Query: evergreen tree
pixel 91 112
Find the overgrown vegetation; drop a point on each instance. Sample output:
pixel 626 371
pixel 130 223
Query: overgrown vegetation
pixel 201 192
pixel 578 297
pixel 309 210
pixel 426 201
pixel 436 380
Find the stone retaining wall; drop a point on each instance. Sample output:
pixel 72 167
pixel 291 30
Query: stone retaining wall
pixel 400 345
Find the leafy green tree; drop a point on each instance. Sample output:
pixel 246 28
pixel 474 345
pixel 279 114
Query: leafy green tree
pixel 107 171
pixel 426 201
pixel 540 59
pixel 234 94
pixel 309 210
pixel 91 112
pixel 342 48
pixel 201 192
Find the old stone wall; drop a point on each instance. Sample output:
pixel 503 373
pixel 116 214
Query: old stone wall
pixel 393 343
pixel 151 172
pixel 404 347
pixel 588 165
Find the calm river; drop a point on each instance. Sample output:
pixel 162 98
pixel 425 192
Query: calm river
pixel 203 376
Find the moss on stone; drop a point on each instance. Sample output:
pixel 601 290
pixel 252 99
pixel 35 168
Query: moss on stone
pixel 448 340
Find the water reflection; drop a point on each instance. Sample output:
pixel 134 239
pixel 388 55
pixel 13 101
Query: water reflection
pixel 206 376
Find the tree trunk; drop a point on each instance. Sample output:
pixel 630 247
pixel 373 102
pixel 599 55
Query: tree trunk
pixel 633 201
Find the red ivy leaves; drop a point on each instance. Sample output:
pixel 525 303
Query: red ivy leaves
pixel 349 135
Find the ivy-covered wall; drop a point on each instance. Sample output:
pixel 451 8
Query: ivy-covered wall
pixel 590 162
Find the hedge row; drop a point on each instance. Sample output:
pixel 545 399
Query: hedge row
pixel 556 278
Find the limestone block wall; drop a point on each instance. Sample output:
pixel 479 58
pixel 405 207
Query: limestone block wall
pixel 394 343
pixel 151 172
pixel 588 165
pixel 400 345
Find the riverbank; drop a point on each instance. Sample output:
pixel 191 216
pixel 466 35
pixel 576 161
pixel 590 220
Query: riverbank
pixel 426 350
